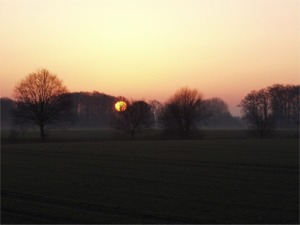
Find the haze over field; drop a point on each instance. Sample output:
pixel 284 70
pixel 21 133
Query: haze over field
pixel 148 49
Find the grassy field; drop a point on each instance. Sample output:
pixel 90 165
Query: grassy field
pixel 196 181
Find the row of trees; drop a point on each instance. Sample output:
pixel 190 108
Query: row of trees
pixel 42 100
pixel 180 116
pixel 92 110
pixel 272 107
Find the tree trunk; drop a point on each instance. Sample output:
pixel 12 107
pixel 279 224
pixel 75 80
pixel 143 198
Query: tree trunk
pixel 42 132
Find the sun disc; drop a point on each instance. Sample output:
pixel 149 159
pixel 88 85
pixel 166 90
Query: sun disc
pixel 120 106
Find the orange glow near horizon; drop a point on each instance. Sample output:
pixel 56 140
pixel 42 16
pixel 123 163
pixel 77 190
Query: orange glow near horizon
pixel 147 49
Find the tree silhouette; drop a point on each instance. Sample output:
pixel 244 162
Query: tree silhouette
pixel 6 106
pixel 257 112
pixel 182 111
pixel 92 109
pixel 137 117
pixel 41 99
pixel 285 105
pixel 216 106
pixel 156 108
pixel 219 115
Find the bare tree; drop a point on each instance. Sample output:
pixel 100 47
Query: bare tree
pixel 156 108
pixel 219 115
pixel 216 106
pixel 257 112
pixel 294 91
pixel 41 99
pixel 137 117
pixel 182 111
pixel 285 104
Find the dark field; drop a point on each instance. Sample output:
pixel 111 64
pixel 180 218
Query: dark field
pixel 195 181
pixel 84 135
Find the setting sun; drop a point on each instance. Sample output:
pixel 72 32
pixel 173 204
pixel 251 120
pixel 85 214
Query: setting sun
pixel 150 111
pixel 120 106
pixel 223 48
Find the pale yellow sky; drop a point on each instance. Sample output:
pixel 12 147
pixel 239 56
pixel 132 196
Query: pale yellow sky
pixel 150 48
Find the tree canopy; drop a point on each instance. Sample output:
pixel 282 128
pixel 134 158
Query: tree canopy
pixel 41 99
pixel 137 117
pixel 182 111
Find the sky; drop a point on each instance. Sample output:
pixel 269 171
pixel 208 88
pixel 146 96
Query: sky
pixel 148 49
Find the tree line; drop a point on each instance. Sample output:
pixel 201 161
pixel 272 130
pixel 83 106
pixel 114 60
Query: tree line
pixel 41 100
pixel 271 108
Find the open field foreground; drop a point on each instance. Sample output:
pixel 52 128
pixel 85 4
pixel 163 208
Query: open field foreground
pixel 196 181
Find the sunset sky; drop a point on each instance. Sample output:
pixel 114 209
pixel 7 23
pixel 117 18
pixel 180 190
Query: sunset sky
pixel 150 48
